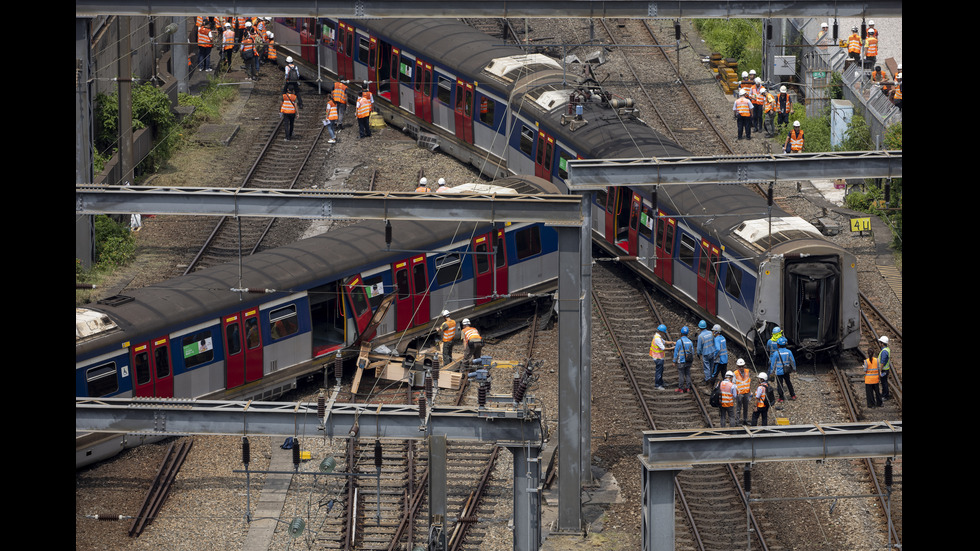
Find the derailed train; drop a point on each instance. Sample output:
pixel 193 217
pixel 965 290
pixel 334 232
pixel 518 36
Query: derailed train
pixel 505 111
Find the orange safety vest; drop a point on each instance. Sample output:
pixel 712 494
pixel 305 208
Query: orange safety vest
pixel 760 394
pixel 340 92
pixel 248 45
pixel 743 378
pixel 448 330
pixel 728 391
pixel 770 104
pixel 746 85
pixel 422 189
pixel 871 371
pixel 785 103
pixel 204 37
pixel 744 107
pixel 755 94
pixel 363 108
pixel 795 141
pixel 854 44
pixel 470 333
pixel 288 104
pixel 331 111
pixel 240 22
pixel 898 91
pixel 228 39
pixel 657 351
pixel 271 52
pixel 871 50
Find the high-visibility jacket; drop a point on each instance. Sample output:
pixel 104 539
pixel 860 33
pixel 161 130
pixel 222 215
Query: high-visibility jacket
pixel 199 21
pixel 419 189
pixel 448 330
pixel 471 334
pixel 871 371
pixel 782 362
pixel 795 140
pixel 271 51
pixel 204 37
pixel 248 45
pixel 363 108
pixel 331 111
pixel 756 96
pixel 240 22
pixel 783 103
pixel 746 85
pixel 228 39
pixel 871 49
pixel 340 92
pixel 728 392
pixel 288 104
pixel 770 104
pixel 877 76
pixel 872 32
pixel 898 91
pixel 854 44
pixel 721 346
pixel 884 359
pixel 760 394
pixel 743 106
pixel 657 347
pixel 743 378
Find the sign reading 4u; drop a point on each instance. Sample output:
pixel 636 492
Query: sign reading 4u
pixel 860 224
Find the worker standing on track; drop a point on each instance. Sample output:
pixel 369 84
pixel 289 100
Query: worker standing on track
pixel 472 343
pixel 721 352
pixel 442 186
pixel 339 95
pixel 794 141
pixel 288 108
pixel 363 114
pixel 769 113
pixel 761 401
pixel 757 97
pixel 205 42
pixel 684 358
pixel 784 106
pixel 331 120
pixel 657 350
pixel 423 186
pixel 743 115
pixel 871 379
pixel 448 330
pixel 781 364
pixel 706 349
pixel 728 393
pixel 743 380
pixel 885 366
pixel 854 45
pixel 227 45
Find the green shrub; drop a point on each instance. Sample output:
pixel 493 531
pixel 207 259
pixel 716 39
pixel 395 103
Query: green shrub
pixel 740 39
pixel 115 245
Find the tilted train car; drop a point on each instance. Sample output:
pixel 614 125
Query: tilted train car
pixel 201 336
pixel 508 112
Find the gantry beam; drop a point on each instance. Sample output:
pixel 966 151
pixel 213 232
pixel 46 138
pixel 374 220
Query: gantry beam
pixel 586 174
pixel 499 8
pixel 161 416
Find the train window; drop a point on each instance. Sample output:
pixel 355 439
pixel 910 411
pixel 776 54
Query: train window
pixel 501 259
pixel 705 263
pixel 418 275
pixel 141 367
pixel 364 51
pixel 401 283
pixel 527 140
pixel 646 222
pixel 405 72
pixel 161 357
pixel 449 268
pixel 486 111
pixel 252 337
pixel 688 246
pixel 563 159
pixel 482 258
pixel 445 90
pixel 668 242
pixel 733 281
pixel 198 348
pixel 284 321
pixel 101 380
pixel 375 290
pixel 328 32
pixel 600 197
pixel 233 336
pixel 468 106
pixel 528 242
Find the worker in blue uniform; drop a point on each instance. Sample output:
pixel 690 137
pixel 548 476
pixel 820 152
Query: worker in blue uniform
pixel 884 366
pixel 706 349
pixel 721 348
pixel 782 363
pixel 683 358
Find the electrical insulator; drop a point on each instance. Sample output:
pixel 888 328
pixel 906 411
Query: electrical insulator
pixel 321 405
pixel 747 475
pixel 769 195
pixel 377 454
pixel 296 453
pixel 388 232
pixel 422 406
pixel 888 473
pixel 481 395
pixel 338 366
pixel 769 31
pixel 516 385
pixel 521 389
pixel 435 363
pixel 864 29
pixel 677 30
pixel 327 465
pixel 428 386
pixel 296 527
pixel 835 30
pixel 246 451
pixel 654 197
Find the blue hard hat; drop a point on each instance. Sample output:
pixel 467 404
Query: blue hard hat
pixel 684 330
pixel 776 330
pixel 782 341
pixel 662 328
pixel 702 324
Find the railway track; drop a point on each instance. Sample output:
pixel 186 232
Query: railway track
pixel 278 164
pixel 710 496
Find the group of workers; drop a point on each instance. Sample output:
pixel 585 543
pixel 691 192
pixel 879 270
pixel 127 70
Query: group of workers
pixel 756 109
pixel 469 335
pixel 424 186
pixel 252 36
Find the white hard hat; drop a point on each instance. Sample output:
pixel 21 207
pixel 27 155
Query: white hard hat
pixel 796 123
pixel 289 59
pixel 740 362
pixel 751 71
pixel 782 89
pixel 899 76
pixel 883 339
pixel 824 25
pixel 741 92
pixel 272 35
pixel 445 312
pixel 729 374
pixel 423 181
pixel 763 376
pixel 871 23
pixel 716 328
pixel 248 23
pixel 466 321
pixel 763 89
pixel 228 25
pixel 744 74
pixel 442 181
pixel 268 19
pixel 758 80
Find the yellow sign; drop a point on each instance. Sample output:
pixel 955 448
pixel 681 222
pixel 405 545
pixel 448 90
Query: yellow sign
pixel 860 224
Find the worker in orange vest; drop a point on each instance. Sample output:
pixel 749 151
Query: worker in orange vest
pixel 769 113
pixel 728 393
pixel 205 41
pixel 870 51
pixel 757 97
pixel 871 378
pixel 287 109
pixel 227 45
pixel 897 92
pixel 472 342
pixel 448 330
pixel 339 95
pixel 854 44
pixel 363 114
pixel 743 115
pixel 331 120
pixel 794 141
pixel 743 380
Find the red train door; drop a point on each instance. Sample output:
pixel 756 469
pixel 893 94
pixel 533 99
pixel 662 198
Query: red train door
pixel 412 296
pixel 403 295
pixel 234 351
pixel 253 345
pixel 707 277
pixel 500 264
pixel 544 156
pixel 636 206
pixel 666 233
pixel 345 49
pixel 395 67
pixel 482 271
pixel 423 90
pixel 420 289
pixel 152 374
pixel 360 307
pixel 373 66
pixel 464 111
